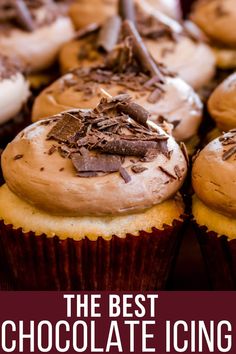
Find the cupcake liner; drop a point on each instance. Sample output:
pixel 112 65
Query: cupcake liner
pixel 219 254
pixel 132 263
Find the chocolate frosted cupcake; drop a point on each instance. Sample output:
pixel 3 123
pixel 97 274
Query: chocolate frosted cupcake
pixel 168 42
pixel 217 19
pixel 85 192
pixel 181 48
pixel 14 93
pixel 214 209
pixel 34 31
pixel 128 69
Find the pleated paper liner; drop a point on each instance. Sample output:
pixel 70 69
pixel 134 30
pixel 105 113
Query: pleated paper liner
pixel 219 255
pixel 133 263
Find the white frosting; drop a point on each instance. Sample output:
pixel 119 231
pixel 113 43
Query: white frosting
pixel 14 92
pixel 38 49
pixel 168 7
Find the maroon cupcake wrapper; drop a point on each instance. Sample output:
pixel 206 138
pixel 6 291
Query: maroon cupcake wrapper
pixel 139 263
pixel 219 255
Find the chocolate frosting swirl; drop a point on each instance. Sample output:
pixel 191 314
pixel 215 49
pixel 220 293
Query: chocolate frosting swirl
pixel 44 169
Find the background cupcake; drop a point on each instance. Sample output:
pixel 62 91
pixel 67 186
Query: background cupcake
pixel 214 209
pixel 14 94
pixel 82 209
pixel 217 19
pixel 129 68
pixel 34 31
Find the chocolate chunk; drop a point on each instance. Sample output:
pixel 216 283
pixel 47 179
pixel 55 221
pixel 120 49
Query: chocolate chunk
pixel 65 128
pixel 155 95
pixel 109 34
pixel 138 168
pixel 135 111
pixel 169 174
pixel 23 15
pixel 128 148
pixel 141 51
pixel 52 149
pixel 227 154
pixel 124 174
pixel 18 157
pixel 127 10
pixel 96 163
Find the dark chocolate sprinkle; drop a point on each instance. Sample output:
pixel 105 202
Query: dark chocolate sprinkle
pixel 18 157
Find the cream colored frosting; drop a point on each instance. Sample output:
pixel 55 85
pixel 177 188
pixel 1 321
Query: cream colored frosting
pixel 171 8
pixel 37 49
pixel 183 55
pixel 214 180
pixel 186 58
pixel 69 55
pixel 14 92
pixel 217 19
pixel 222 104
pixel 178 103
pixel 16 212
pixel 49 182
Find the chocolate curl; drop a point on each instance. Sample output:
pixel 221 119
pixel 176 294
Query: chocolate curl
pixel 135 111
pixel 141 51
pixel 128 147
pixel 23 15
pixel 86 31
pixel 127 10
pixel 109 34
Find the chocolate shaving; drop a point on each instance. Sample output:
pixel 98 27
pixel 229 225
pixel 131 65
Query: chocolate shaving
pixel 90 29
pixel 227 154
pixel 135 111
pixel 23 15
pixel 138 168
pixel 65 128
pixel 96 163
pixel 140 50
pixel 178 172
pixel 128 148
pixel 52 149
pixel 169 174
pixel 109 34
pixel 185 152
pixel 18 157
pixel 124 174
pixel 127 10
pixel 155 95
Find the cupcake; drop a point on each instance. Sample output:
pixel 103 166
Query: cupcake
pixel 128 69
pixel 168 42
pixel 83 14
pixel 87 49
pixel 182 50
pixel 222 104
pixel 214 209
pixel 86 191
pixel 34 31
pixel 14 94
pixel 217 19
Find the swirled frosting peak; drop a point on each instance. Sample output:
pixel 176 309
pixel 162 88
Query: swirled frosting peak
pixel 213 176
pixel 106 161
